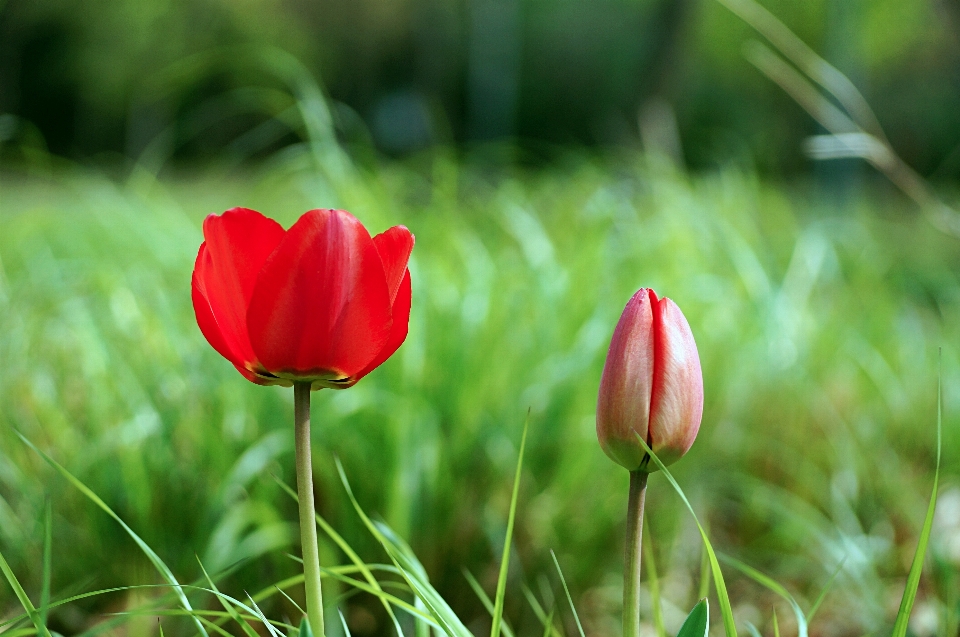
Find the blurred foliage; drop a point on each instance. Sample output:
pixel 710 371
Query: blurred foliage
pixel 818 323
pixel 116 77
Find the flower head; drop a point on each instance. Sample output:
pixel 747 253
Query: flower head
pixel 322 302
pixel 651 386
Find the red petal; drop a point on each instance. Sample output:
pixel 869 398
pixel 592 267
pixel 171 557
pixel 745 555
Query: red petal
pixel 398 334
pixel 237 244
pixel 676 406
pixel 321 306
pixel 623 406
pixel 394 246
pixel 201 307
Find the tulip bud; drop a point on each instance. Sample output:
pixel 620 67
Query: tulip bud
pixel 651 386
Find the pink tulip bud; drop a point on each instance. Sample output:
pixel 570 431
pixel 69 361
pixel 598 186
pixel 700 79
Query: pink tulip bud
pixel 651 386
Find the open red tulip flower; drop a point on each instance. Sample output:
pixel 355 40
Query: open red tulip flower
pixel 319 305
pixel 322 302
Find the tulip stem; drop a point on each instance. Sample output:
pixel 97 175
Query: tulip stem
pixel 308 525
pixel 631 563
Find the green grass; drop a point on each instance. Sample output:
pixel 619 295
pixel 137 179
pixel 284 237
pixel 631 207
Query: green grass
pixel 818 322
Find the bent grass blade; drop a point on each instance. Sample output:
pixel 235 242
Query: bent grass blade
pixel 23 597
pixel 149 552
pixel 774 586
pixel 247 628
pixel 725 610
pixel 349 552
pixel 410 568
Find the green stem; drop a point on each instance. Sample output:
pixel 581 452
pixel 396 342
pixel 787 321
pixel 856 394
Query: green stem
pixel 308 526
pixel 631 563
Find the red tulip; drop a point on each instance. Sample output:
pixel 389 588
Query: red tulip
pixel 651 386
pixel 321 302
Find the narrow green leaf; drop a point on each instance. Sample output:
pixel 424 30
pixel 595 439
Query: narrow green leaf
pixel 725 610
pixel 343 620
pixel 823 594
pixel 47 563
pixel 567 591
pixel 149 552
pixel 349 552
pixel 545 620
pixel 697 622
pixel 292 601
pixel 23 597
pixel 305 628
pixel 505 560
pixel 548 628
pixel 484 598
pixel 752 629
pixel 704 572
pixel 263 619
pixel 409 567
pixel 913 578
pixel 773 585
pixel 247 628
pixel 776 625
pixel 653 582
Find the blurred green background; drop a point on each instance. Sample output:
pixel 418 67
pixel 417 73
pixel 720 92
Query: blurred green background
pixel 507 135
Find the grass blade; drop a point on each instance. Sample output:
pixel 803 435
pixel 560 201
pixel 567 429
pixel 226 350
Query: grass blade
pixel 823 594
pixel 47 563
pixel 350 553
pixel 653 581
pixel 772 585
pixel 546 620
pixel 548 628
pixel 343 620
pixel 247 628
pixel 505 560
pixel 913 579
pixel 567 591
pixel 697 622
pixel 725 610
pixel 484 598
pixel 23 597
pixel 410 568
pixel 776 624
pixel 704 573
pixel 149 552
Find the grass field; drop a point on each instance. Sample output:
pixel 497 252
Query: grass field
pixel 818 321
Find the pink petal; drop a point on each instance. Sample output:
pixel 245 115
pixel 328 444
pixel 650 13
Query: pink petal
pixel 623 406
pixel 676 406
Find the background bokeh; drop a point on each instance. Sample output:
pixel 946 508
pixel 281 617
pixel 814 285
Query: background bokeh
pixel 110 77
pixel 551 158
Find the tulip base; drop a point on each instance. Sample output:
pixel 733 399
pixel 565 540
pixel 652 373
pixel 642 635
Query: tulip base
pixel 308 524
pixel 631 563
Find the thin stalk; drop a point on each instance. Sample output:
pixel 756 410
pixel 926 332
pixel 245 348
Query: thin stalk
pixel 631 562
pixel 308 528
